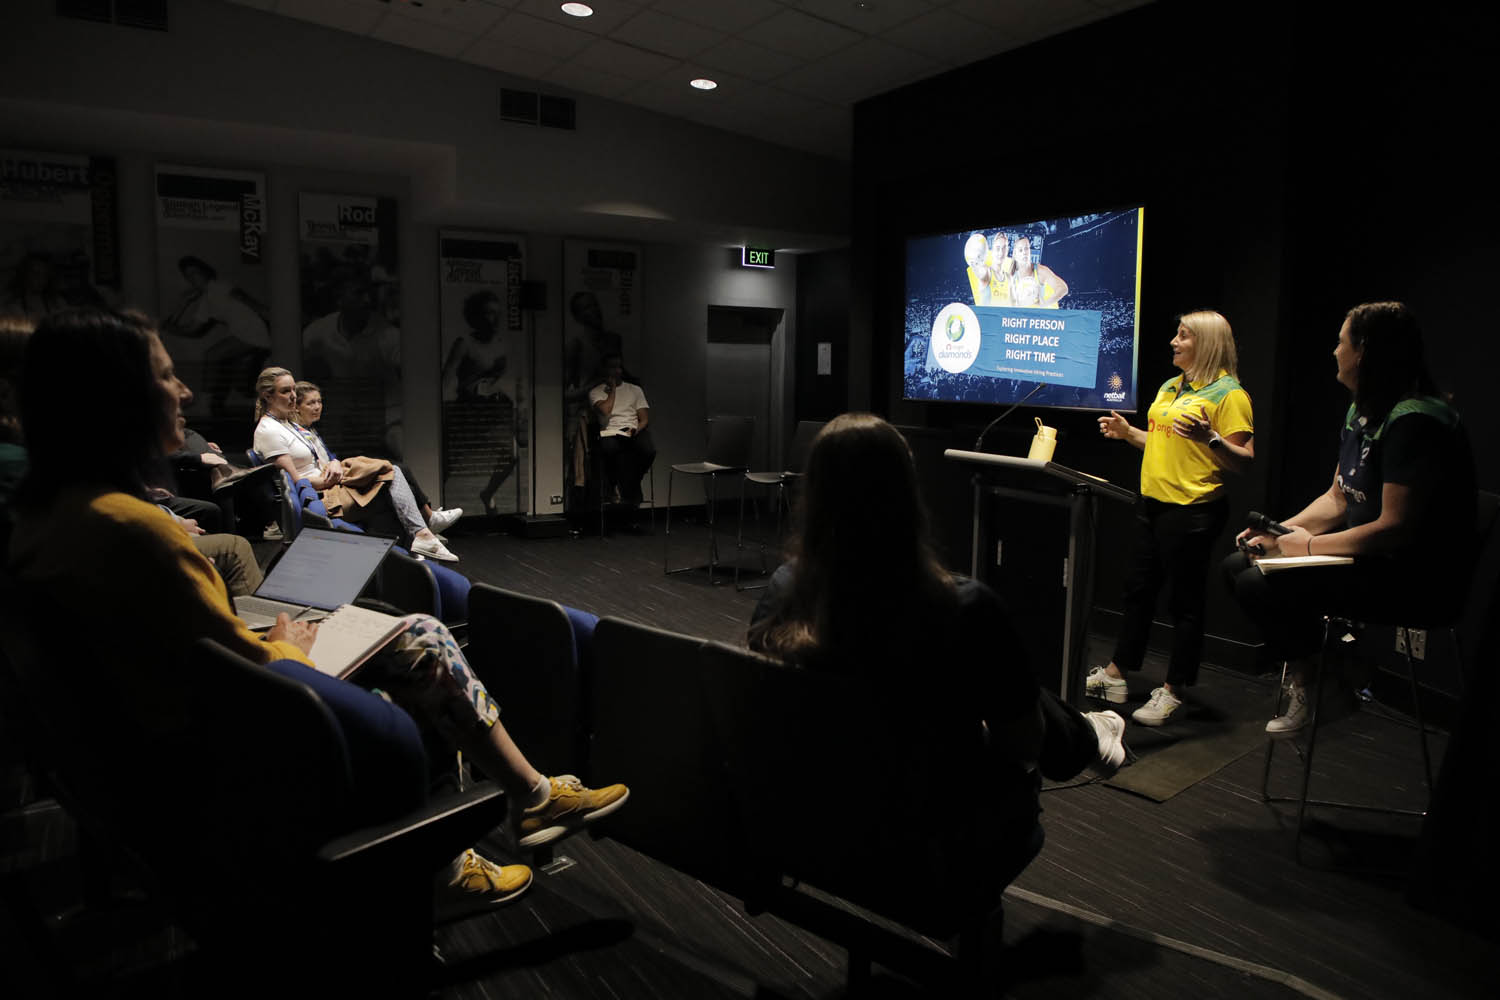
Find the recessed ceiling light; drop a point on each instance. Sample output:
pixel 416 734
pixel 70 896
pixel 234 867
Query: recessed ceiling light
pixel 578 9
pixel 703 83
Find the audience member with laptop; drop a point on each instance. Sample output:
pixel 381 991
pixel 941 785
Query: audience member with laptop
pixel 87 539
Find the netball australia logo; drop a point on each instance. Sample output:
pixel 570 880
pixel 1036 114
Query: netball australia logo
pixel 955 337
pixel 1115 386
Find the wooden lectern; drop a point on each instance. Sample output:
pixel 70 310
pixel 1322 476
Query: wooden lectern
pixel 1035 546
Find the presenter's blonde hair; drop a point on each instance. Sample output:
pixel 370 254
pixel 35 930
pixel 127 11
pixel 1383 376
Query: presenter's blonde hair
pixel 1213 346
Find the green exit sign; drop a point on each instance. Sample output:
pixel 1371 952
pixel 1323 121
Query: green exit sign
pixel 758 257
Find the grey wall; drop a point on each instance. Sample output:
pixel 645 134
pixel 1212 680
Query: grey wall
pixel 321 110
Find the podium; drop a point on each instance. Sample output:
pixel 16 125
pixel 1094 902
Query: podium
pixel 1033 543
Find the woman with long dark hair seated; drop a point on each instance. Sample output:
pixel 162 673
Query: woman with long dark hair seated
pixel 863 595
pixel 1401 504
pixel 380 498
pixel 140 595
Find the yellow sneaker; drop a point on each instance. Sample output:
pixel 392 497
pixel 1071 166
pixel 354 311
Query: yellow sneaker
pixel 568 808
pixel 478 885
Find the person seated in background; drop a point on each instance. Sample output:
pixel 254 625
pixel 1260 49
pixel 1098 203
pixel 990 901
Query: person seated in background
pixel 623 415
pixel 369 492
pixel 141 595
pixel 863 595
pixel 1402 504
pixel 310 411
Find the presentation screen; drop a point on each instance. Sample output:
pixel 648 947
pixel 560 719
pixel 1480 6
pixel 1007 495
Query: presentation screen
pixel 993 312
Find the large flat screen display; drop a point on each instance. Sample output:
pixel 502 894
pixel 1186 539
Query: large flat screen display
pixel 991 313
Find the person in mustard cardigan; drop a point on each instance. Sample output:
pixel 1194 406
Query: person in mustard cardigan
pixel 86 538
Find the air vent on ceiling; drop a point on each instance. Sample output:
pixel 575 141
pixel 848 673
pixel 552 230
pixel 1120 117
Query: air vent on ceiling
pixel 151 14
pixel 527 107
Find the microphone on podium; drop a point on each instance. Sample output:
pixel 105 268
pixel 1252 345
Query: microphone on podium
pixel 979 441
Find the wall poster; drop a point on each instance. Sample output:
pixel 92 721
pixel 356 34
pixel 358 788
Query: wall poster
pixel 59 232
pixel 211 279
pixel 486 348
pixel 602 288
pixel 351 316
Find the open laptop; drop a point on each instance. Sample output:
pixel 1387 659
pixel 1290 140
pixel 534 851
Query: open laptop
pixel 320 571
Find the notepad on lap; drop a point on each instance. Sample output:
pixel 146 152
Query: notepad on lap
pixel 1274 564
pixel 349 637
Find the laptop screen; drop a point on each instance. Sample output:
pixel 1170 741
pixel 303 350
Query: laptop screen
pixel 324 569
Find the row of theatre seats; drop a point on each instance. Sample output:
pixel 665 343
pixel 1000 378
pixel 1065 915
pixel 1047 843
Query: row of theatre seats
pixel 403 581
pixel 774 784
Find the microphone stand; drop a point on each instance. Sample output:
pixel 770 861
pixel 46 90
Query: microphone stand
pixel 979 441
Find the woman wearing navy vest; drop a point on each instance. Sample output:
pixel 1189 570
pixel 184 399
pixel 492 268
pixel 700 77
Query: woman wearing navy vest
pixel 1404 482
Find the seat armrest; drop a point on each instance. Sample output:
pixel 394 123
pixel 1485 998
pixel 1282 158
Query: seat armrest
pixel 432 834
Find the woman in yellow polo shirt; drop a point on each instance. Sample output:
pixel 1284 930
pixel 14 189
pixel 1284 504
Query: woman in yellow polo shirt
pixel 1199 425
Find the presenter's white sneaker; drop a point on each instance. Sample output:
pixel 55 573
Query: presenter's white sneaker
pixel 1159 709
pixel 1099 684
pixel 1110 729
pixel 444 519
pixel 432 549
pixel 1296 714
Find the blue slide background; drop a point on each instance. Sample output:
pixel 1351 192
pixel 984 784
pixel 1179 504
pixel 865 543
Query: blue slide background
pixel 1094 254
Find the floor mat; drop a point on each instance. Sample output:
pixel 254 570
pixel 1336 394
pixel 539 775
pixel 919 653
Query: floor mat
pixel 1164 772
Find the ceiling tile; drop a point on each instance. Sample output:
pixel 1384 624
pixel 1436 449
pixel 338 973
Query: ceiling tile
pixel 950 39
pixel 402 30
pixel 797 33
pixel 469 16
pixel 1028 21
pixel 871 19
pixel 667 35
pixel 608 14
pixel 863 70
pixel 535 35
pixel 724 15
pixel 509 59
pixel 747 60
pixel 346 16
pixel 625 60
pixel 591 81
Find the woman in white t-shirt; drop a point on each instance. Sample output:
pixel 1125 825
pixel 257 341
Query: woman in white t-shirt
pixel 280 439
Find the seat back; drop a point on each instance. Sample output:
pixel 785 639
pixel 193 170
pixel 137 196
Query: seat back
pixel 525 651
pixel 899 799
pixel 405 583
pixel 729 440
pixel 802 439
pixel 664 724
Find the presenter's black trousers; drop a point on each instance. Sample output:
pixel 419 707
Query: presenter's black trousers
pixel 1173 546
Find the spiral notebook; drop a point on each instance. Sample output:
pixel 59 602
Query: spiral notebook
pixel 350 636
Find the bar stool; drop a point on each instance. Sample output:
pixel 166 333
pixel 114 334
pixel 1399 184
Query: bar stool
pixel 727 453
pixel 802 440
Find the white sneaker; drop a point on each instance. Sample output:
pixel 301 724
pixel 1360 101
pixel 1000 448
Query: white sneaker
pixel 1159 709
pixel 433 549
pixel 444 519
pixel 1099 684
pixel 1110 729
pixel 1296 714
pixel 272 533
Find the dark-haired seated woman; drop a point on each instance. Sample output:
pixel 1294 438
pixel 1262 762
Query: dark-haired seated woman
pixel 863 595
pixel 1401 504
pixel 141 595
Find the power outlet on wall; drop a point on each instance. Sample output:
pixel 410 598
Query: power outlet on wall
pixel 556 498
pixel 1418 642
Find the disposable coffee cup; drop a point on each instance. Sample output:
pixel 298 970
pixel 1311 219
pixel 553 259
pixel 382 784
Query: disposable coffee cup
pixel 1043 444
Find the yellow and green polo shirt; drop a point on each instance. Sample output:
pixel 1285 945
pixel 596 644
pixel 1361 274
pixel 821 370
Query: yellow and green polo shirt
pixel 1179 470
